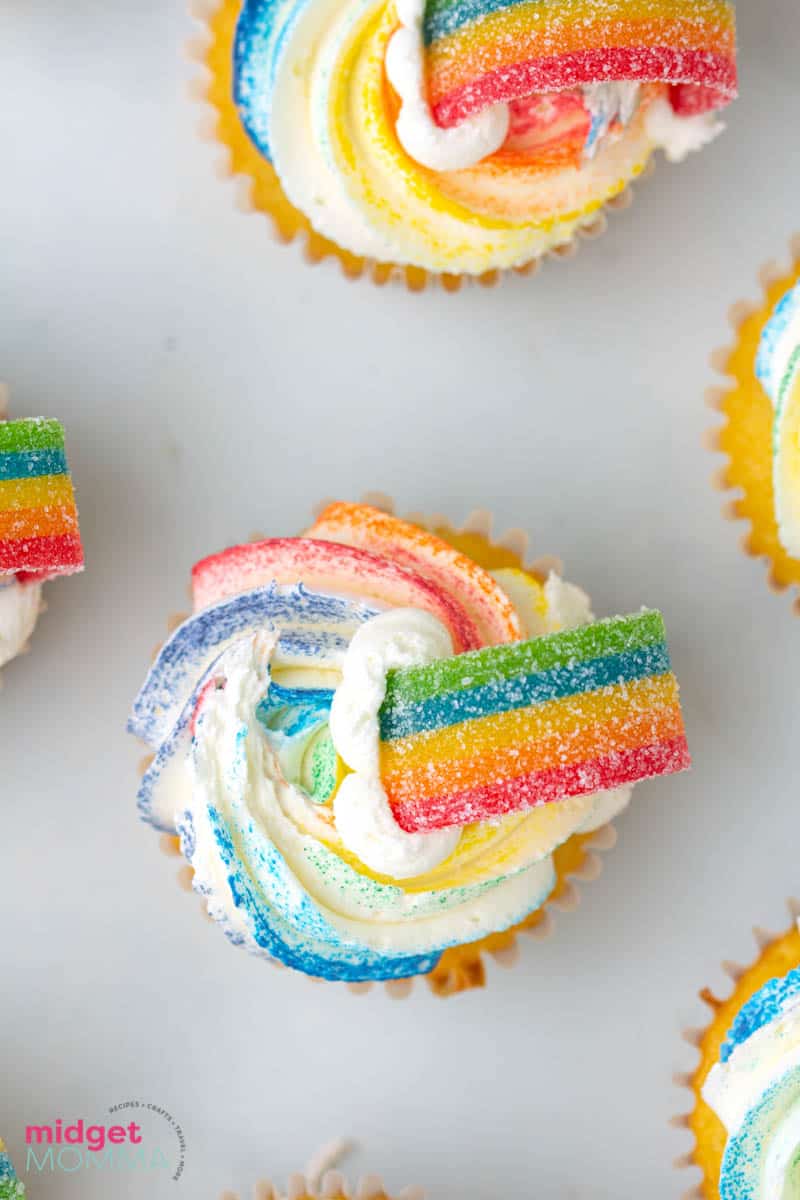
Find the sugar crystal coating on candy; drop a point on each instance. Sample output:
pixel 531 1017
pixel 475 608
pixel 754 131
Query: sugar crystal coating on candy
pixel 506 728
pixel 382 533
pixel 481 52
pixel 330 567
pixel 38 518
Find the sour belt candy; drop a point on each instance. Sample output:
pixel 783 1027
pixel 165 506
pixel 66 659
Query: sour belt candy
pixel 38 519
pixel 505 728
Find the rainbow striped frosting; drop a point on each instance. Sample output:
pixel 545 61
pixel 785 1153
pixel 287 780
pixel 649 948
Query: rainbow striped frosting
pixel 39 532
pixel 510 727
pixel 481 52
pixel 10 1186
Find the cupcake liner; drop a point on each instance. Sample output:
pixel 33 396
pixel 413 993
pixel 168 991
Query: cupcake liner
pixel 320 1182
pixel 577 861
pixel 259 190
pixel 745 438
pixel 332 1186
pixel 777 954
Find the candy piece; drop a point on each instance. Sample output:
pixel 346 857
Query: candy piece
pixel 380 533
pixel 502 729
pixel 38 518
pixel 480 52
pixel 10 1186
pixel 329 567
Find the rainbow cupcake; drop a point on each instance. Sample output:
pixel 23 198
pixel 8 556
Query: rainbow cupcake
pixel 39 535
pixel 385 747
pixel 761 434
pixel 10 1186
pixel 746 1087
pixel 458 138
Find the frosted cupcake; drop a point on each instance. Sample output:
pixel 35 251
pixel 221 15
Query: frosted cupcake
pixel 39 535
pixel 747 1085
pixel 385 748
pixel 10 1186
pixel 459 137
pixel 761 436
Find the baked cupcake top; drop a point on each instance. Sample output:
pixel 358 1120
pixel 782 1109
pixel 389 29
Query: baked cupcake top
pixel 462 136
pixel 10 1186
pixel 39 534
pixel 778 369
pixel 371 746
pixel 755 1091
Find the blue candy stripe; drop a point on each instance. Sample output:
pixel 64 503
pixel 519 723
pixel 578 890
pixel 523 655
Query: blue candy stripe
pixel 440 21
pixel 30 464
pixel 506 695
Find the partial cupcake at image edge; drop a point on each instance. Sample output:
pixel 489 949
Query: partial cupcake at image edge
pixel 760 438
pixel 746 1086
pixel 10 1186
pixel 320 1181
pixel 387 746
pixel 39 533
pixel 448 139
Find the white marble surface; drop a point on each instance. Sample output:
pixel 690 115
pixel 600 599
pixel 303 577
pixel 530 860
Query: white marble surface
pixel 213 384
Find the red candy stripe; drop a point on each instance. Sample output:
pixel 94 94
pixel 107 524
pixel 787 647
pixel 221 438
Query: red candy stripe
pixel 543 787
pixel 59 553
pixel 713 78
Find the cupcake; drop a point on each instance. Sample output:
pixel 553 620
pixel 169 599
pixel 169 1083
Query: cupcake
pixel 761 436
pixel 10 1186
pixel 459 137
pixel 39 535
pixel 385 747
pixel 747 1085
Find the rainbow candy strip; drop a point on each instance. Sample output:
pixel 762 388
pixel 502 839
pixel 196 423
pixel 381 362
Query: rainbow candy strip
pixel 505 728
pixel 38 519
pixel 480 52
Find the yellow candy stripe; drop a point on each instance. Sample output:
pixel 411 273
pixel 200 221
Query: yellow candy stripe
pixel 37 492
pixel 498 733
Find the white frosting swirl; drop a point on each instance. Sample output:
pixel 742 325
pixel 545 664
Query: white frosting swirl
pixel 451 149
pixel 20 605
pixel 680 136
pixel 403 637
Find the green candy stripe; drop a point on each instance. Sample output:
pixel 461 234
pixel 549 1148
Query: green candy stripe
pixel 31 433
pixel 616 635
